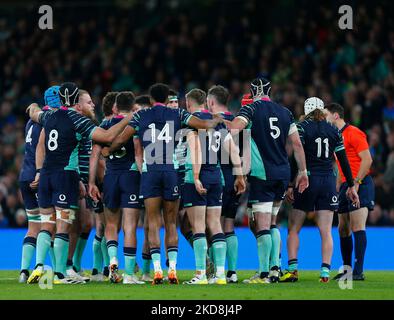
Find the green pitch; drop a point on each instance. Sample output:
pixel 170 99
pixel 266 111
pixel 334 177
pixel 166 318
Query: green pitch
pixel 379 285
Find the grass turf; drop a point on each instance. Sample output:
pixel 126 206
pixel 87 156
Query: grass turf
pixel 378 285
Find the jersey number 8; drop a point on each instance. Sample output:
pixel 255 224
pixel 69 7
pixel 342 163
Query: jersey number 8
pixel 52 141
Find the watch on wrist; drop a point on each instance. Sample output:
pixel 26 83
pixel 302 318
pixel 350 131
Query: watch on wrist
pixel 358 180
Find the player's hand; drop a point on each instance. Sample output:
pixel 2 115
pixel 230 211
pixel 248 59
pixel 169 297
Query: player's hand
pixel 352 194
pixel 82 190
pixel 240 184
pixel 105 152
pixel 302 182
pixel 94 192
pixel 290 195
pixel 34 184
pixel 199 187
pixel 217 118
pixel 33 105
pixel 357 186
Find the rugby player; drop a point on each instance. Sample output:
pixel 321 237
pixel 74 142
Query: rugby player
pixel 121 192
pixel 320 140
pixel 203 189
pixel 157 127
pixel 353 219
pixel 29 186
pixel 173 99
pixel 100 270
pixel 217 103
pixel 271 125
pixel 59 180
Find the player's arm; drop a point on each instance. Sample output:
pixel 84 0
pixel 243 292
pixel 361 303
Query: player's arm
pixel 138 153
pixel 119 141
pixel 197 123
pixel 232 149
pixel 237 124
pixel 93 191
pixel 40 156
pixel 196 159
pixel 365 166
pixel 302 181
pixel 108 136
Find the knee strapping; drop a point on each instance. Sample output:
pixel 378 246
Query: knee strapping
pixel 65 215
pixel 48 218
pixel 35 218
pixel 262 207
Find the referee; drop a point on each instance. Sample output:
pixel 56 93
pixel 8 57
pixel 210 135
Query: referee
pixel 353 219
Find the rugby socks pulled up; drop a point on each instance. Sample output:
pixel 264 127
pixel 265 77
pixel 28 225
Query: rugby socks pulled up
pixel 104 250
pixel 219 248
pixel 78 253
pixel 44 240
pixel 172 253
pixel 28 250
pixel 112 247
pixel 275 248
pixel 60 246
pixel 264 245
pixel 200 247
pixel 156 258
pixel 146 262
pixel 232 250
pixel 97 254
pixel 346 250
pixel 360 246
pixel 129 259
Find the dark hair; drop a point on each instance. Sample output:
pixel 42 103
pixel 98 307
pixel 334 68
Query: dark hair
pixel 125 100
pixel 220 93
pixel 198 95
pixel 143 100
pixel 159 92
pixel 316 115
pixel 335 107
pixel 172 93
pixel 108 103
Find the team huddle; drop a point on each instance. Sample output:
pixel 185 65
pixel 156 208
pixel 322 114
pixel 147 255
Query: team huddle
pixel 187 168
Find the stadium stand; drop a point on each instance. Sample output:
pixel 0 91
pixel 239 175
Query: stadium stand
pixel 130 45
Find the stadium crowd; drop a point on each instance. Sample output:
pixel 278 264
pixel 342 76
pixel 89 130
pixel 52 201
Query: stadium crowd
pixel 128 48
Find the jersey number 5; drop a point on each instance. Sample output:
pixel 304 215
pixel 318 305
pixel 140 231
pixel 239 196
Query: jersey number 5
pixel 275 131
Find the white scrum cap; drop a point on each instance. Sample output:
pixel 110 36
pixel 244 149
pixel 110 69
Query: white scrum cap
pixel 312 104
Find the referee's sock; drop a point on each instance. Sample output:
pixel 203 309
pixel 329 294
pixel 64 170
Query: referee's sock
pixel 360 244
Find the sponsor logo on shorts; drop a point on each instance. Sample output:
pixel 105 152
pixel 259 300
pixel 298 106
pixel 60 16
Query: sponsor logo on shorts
pixel 133 199
pixel 62 198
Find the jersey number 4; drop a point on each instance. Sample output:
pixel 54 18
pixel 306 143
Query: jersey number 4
pixel 164 134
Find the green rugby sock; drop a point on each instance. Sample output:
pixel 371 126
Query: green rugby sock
pixel 60 246
pixel 232 250
pixel 146 261
pixel 219 252
pixel 129 260
pixel 52 255
pixel 325 270
pixel 156 258
pixel 97 254
pixel 81 244
pixel 264 244
pixel 104 250
pixel 200 247
pixel 43 245
pixel 275 248
pixel 172 253
pixel 112 246
pixel 28 250
pixel 293 265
